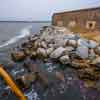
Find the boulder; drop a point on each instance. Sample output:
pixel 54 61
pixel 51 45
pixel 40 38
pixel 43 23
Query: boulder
pixel 97 62
pixel 35 44
pixel 86 75
pixel 97 85
pixel 72 43
pixel 92 54
pixel 49 51
pixel 87 43
pixel 43 44
pixel 33 55
pixel 50 45
pixel 60 76
pixel 82 51
pixel 92 44
pixel 57 53
pixel 65 59
pixel 27 51
pixel 97 50
pixel 69 48
pixel 83 42
pixel 41 52
pixel 18 56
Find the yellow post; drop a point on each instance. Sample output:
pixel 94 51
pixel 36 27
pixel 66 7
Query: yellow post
pixel 10 83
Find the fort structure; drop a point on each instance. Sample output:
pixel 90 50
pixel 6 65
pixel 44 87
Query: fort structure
pixel 83 20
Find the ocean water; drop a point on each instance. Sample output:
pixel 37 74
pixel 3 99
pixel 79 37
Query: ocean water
pixel 8 30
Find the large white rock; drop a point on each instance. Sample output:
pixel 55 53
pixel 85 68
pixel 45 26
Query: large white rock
pixel 64 59
pixel 83 42
pixel 82 51
pixel 87 43
pixel 92 44
pixel 57 53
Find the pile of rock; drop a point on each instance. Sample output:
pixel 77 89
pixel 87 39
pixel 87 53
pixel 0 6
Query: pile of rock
pixel 66 47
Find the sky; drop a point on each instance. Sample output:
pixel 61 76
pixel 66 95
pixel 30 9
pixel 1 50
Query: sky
pixel 40 10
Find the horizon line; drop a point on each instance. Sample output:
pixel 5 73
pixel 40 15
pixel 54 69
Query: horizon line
pixel 24 21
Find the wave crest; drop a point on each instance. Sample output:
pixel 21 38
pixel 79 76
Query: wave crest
pixel 23 33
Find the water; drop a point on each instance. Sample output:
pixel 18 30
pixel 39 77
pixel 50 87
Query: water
pixel 9 30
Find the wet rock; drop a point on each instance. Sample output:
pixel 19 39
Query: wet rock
pixel 82 52
pixel 89 84
pixel 92 54
pixel 92 44
pixel 41 52
pixel 33 55
pixel 69 48
pixel 29 77
pixel 50 45
pixel 36 44
pixel 25 81
pixel 96 62
pixel 78 64
pixel 97 85
pixel 43 44
pixel 86 75
pixel 57 53
pixel 31 67
pixel 65 59
pixel 18 56
pixel 27 51
pixel 97 50
pixel 60 76
pixel 24 44
pixel 72 43
pixel 34 38
pixel 42 79
pixel 88 43
pixel 83 42
pixel 49 51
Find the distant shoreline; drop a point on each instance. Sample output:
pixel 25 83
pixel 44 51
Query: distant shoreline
pixel 28 21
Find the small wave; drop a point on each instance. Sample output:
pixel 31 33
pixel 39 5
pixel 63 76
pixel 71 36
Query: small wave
pixel 23 33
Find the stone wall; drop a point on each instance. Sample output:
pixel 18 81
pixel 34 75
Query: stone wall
pixel 82 20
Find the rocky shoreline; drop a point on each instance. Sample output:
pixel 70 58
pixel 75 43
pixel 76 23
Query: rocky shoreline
pixel 67 48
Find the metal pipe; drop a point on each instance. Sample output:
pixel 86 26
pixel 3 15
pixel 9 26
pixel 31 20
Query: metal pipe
pixel 13 86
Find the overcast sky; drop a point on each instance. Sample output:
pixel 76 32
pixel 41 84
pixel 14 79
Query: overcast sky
pixel 40 9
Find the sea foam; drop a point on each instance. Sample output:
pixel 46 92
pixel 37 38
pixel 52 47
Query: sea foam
pixel 25 32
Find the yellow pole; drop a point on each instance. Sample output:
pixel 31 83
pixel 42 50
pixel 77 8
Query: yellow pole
pixel 10 83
